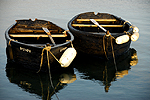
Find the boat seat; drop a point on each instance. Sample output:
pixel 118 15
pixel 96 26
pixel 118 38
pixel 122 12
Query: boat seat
pixel 91 25
pixel 37 35
pixel 28 30
pixel 110 20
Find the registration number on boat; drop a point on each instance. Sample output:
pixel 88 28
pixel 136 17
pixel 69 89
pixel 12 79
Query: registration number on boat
pixel 24 49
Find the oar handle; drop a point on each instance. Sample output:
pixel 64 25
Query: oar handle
pixel 49 35
pixel 96 23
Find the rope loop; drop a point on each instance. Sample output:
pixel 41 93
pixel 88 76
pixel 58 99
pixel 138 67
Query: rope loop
pixel 131 26
pixel 127 33
pixel 126 22
pixel 10 41
pixel 71 43
pixel 47 48
pixel 104 47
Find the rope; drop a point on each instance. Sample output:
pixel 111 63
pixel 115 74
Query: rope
pixel 111 37
pixel 113 52
pixel 127 33
pixel 55 88
pixel 126 22
pixel 131 26
pixel 47 48
pixel 50 77
pixel 71 43
pixel 10 42
pixel 104 46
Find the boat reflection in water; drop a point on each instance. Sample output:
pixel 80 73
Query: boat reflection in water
pixel 100 71
pixel 40 83
pixel 105 72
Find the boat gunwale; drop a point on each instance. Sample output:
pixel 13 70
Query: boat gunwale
pixel 8 38
pixel 96 33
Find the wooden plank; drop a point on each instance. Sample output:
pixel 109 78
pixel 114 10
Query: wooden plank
pixel 32 35
pixel 111 20
pixel 26 30
pixel 91 25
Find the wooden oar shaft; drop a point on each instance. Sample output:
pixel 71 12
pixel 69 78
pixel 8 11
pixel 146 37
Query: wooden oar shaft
pixel 48 33
pixel 96 23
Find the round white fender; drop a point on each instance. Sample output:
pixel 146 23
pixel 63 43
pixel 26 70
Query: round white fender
pixel 122 39
pixel 135 29
pixel 135 36
pixel 67 57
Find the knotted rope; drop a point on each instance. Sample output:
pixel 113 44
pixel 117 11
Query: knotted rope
pixel 9 43
pixel 47 48
pixel 126 22
pixel 104 47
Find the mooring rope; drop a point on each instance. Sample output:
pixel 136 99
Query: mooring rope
pixel 113 53
pixel 50 77
pixel 48 48
pixel 9 43
pixel 55 88
pixel 127 33
pixel 126 22
pixel 104 47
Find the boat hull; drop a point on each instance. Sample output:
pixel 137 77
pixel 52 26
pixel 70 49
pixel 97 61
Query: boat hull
pixel 93 45
pixel 29 55
pixel 97 43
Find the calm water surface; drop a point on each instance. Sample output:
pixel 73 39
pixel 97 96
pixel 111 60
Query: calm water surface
pixel 86 79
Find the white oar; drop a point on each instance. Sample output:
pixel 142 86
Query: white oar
pixel 49 34
pixel 96 23
pixel 109 34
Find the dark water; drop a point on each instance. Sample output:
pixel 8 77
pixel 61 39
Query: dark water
pixel 86 79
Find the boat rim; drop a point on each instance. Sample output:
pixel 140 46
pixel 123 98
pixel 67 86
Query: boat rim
pixel 34 46
pixel 95 33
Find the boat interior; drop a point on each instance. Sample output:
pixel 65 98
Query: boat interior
pixel 113 25
pixel 31 32
pixel 107 21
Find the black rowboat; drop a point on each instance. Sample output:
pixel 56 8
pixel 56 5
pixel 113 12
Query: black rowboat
pixel 104 37
pixel 26 41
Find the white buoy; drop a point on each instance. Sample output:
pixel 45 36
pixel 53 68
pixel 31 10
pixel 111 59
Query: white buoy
pixel 122 39
pixel 135 36
pixel 67 57
pixel 135 29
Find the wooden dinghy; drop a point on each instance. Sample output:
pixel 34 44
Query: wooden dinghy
pixel 102 34
pixel 37 44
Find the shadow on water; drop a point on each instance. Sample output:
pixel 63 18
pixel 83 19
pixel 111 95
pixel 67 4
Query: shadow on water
pixel 40 83
pixel 104 72
pixel 89 68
